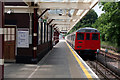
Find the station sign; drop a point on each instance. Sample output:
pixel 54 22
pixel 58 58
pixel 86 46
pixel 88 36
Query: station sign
pixel 23 38
pixel 44 20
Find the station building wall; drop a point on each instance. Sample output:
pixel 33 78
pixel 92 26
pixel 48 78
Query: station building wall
pixel 25 55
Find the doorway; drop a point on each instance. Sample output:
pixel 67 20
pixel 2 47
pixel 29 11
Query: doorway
pixel 9 43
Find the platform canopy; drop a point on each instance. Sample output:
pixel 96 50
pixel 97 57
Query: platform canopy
pixel 65 13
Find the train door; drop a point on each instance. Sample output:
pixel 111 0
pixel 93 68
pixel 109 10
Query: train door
pixel 88 42
pixel 80 41
pixel 95 41
pixel 9 43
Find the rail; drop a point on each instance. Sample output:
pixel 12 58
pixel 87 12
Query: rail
pixel 103 70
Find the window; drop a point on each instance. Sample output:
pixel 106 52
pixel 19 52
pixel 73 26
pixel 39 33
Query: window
pixel 9 34
pixel 87 30
pixel 94 36
pixel 87 36
pixel 80 36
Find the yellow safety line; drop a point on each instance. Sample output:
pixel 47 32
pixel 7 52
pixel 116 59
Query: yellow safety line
pixel 81 65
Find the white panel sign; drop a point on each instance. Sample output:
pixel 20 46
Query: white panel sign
pixel 23 38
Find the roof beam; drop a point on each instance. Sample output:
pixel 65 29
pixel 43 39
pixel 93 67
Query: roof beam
pixel 78 19
pixel 60 22
pixel 51 21
pixel 59 17
pixel 64 5
pixel 19 9
pixel 62 26
pixel 62 17
pixel 76 10
pixel 43 13
pixel 27 2
pixel 53 25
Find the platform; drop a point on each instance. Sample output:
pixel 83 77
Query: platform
pixel 61 62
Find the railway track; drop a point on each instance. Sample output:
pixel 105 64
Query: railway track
pixel 110 55
pixel 102 70
pixel 103 67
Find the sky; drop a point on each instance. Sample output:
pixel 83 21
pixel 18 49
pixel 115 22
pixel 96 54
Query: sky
pixel 98 10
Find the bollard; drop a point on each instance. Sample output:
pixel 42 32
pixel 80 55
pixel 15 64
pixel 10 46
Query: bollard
pixel 106 51
pixel 98 51
pixel 118 64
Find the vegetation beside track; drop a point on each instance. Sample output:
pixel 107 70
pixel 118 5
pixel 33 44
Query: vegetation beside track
pixel 110 46
pixel 108 24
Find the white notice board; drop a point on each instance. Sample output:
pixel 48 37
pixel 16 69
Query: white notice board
pixel 23 38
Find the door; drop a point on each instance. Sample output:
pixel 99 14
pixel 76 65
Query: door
pixel 9 42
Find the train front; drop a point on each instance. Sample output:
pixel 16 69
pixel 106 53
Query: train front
pixel 87 41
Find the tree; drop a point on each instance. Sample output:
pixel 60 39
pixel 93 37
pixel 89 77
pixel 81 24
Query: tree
pixel 108 23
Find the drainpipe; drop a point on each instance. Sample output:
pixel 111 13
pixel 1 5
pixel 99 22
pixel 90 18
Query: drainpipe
pixel 30 16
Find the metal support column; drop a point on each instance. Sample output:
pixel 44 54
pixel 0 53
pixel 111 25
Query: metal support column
pixel 41 31
pixel 51 46
pixel 44 32
pixel 47 28
pixel 47 32
pixel 1 40
pixel 34 34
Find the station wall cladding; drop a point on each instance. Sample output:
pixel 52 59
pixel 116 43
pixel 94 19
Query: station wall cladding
pixel 22 20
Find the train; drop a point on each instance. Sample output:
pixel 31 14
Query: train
pixel 55 39
pixel 85 41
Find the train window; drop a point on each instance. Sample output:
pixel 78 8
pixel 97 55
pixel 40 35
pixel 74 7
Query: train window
pixel 94 36
pixel 80 36
pixel 87 36
pixel 87 30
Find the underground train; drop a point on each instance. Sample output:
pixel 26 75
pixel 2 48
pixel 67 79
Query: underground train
pixel 85 41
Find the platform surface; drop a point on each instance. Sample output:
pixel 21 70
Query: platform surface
pixel 58 63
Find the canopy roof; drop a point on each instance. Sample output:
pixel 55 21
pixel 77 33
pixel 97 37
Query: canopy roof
pixel 66 13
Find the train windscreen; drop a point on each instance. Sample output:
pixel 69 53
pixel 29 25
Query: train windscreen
pixel 80 36
pixel 87 36
pixel 94 36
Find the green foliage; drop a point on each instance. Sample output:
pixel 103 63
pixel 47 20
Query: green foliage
pixel 109 22
pixel 107 43
pixel 86 21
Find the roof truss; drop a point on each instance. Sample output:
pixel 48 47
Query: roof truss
pixel 64 5
pixel 65 13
